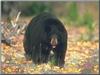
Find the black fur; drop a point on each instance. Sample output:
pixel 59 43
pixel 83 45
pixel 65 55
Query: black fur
pixel 37 39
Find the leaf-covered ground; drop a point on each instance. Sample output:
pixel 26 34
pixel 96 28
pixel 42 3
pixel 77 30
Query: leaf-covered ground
pixel 82 57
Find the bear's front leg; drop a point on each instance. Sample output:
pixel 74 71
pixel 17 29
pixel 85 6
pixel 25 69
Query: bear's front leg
pixel 59 53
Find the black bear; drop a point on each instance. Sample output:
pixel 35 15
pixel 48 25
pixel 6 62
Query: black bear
pixel 45 33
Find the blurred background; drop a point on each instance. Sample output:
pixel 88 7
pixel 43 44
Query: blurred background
pixel 81 19
pixel 71 13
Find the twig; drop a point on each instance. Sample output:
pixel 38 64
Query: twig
pixel 12 22
pixel 17 16
pixel 16 20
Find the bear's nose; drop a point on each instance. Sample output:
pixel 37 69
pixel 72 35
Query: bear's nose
pixel 54 42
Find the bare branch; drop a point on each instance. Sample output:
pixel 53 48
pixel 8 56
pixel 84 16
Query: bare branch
pixel 13 24
pixel 17 16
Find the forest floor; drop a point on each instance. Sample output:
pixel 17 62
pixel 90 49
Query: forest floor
pixel 82 57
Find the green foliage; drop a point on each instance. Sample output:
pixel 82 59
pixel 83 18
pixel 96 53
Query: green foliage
pixel 52 60
pixel 73 12
pixel 87 20
pixel 36 8
pixel 73 17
